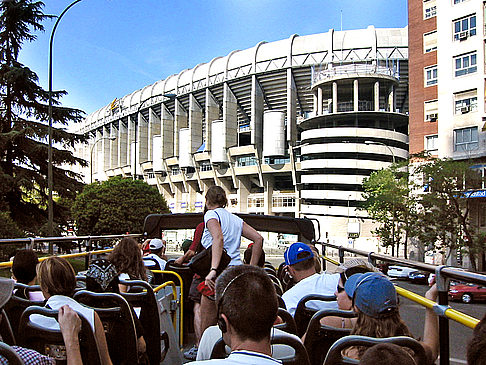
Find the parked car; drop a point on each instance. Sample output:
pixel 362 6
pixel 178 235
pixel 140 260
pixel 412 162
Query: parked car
pixel 467 292
pixel 400 272
pixel 418 277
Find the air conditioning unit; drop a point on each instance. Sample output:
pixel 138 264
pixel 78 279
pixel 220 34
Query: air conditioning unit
pixel 463 35
pixel 465 109
pixel 432 117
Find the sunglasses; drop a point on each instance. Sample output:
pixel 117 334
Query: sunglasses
pixel 340 289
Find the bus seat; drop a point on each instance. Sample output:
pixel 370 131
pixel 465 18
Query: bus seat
pixel 50 342
pixel 9 353
pixel 319 338
pixel 335 357
pixel 117 318
pixel 288 324
pixel 303 314
pixel 152 264
pixel 6 332
pixel 281 303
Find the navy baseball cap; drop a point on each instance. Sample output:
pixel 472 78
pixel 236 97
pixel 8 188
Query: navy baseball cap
pixel 291 253
pixel 374 294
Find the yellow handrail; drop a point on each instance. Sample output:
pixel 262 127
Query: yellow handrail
pixel 332 261
pixel 181 300
pixel 450 313
pixel 66 256
pixel 174 293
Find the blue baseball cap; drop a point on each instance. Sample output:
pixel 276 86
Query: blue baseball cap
pixel 291 253
pixel 373 293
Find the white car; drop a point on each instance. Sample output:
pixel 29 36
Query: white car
pixel 400 272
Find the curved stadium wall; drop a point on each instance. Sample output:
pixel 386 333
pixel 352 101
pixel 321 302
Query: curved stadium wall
pixel 286 128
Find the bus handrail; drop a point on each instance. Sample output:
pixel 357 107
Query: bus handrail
pixel 181 301
pixel 174 294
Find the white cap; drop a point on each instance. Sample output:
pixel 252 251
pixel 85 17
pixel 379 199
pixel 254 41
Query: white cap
pixel 156 244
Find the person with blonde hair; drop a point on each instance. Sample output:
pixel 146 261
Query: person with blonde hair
pixel 57 281
pixel 127 258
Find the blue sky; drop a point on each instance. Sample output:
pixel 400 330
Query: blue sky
pixel 109 48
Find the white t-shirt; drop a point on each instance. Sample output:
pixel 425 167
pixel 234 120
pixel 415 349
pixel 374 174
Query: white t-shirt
pixel 324 284
pixel 243 357
pixel 231 226
pixel 57 301
pixel 147 260
pixel 212 334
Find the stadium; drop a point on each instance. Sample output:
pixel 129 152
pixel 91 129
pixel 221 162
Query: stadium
pixel 287 128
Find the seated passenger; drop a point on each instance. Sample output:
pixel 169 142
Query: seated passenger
pixel 386 354
pixel 300 262
pixel 246 326
pixel 24 272
pixel 57 281
pixel 375 300
pixel 128 261
pixel 102 277
pixel 157 254
pixel 247 256
pixel 346 270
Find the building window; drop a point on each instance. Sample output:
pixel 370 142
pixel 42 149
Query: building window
pixel 466 139
pixel 430 9
pixel 206 166
pixel 256 202
pixel 430 75
pixel 431 143
pixel 465 64
pixel 285 201
pixel 458 1
pixel 430 42
pixel 246 161
pixel 464 28
pixel 431 110
pixel 466 102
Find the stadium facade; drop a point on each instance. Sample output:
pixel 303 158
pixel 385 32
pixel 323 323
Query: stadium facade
pixel 286 128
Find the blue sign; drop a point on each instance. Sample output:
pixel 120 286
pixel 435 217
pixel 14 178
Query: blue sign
pixel 475 194
pixel 183 205
pixel 171 205
pixel 198 204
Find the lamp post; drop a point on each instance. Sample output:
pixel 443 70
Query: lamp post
pixel 49 151
pixel 91 154
pixel 140 105
pixel 393 202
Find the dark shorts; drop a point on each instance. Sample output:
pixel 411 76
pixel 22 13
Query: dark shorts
pixel 194 294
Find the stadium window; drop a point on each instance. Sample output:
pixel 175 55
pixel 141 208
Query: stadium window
pixel 466 139
pixel 464 27
pixel 465 64
pixel 430 42
pixel 430 75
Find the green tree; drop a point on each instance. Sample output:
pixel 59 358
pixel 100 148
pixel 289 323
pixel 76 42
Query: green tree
pixel 446 205
pixel 23 125
pixel 388 202
pixel 116 206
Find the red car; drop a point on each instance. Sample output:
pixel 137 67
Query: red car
pixel 467 292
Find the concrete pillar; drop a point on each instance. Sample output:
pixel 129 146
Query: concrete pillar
pixel 114 145
pixel 212 113
pixel 105 145
pixel 391 98
pixel 122 144
pixel 243 191
pixel 153 130
pixel 314 104
pixel 291 108
pixel 230 118
pixel 167 132
pixel 268 194
pixel 355 95
pixel 142 143
pixel 180 122
pixel 130 139
pixel 195 123
pixel 319 101
pixel 256 116
pixel 376 96
pixel 98 155
pixel 334 97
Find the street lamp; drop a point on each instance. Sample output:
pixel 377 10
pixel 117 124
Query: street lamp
pixel 393 202
pixel 49 151
pixel 140 105
pixel 91 154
